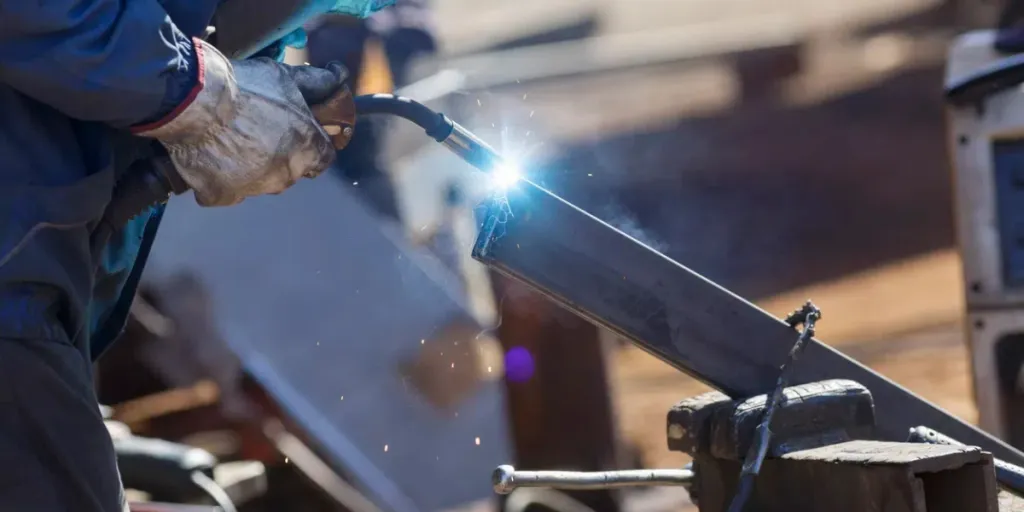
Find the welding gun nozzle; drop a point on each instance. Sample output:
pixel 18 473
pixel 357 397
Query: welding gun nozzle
pixel 471 149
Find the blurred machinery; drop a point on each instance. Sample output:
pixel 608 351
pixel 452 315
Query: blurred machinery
pixel 986 117
pixel 355 362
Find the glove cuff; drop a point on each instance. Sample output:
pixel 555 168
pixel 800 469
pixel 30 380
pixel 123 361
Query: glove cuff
pixel 210 103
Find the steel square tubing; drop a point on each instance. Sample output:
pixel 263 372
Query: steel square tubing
pixel 677 315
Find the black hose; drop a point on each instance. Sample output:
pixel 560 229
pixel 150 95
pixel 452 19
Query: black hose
pixel 437 125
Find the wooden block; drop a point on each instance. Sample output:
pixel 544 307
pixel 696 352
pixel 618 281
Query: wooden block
pixel 859 476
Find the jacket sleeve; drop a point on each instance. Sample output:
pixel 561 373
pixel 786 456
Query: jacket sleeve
pixel 121 62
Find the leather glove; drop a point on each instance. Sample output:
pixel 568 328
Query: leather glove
pixel 249 131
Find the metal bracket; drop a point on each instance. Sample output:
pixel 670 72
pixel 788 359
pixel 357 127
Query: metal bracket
pixel 974 88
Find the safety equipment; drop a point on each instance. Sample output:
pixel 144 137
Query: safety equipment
pixel 248 131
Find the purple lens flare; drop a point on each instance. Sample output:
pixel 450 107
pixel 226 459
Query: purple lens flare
pixel 519 365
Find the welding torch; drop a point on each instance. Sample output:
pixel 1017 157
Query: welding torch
pixel 153 181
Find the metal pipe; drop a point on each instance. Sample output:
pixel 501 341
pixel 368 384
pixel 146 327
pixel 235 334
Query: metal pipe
pixel 472 149
pixel 506 479
pixel 1010 476
pixel 676 314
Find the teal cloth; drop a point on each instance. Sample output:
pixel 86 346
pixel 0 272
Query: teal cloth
pixel 357 8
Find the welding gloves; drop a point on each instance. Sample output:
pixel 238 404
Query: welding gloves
pixel 249 130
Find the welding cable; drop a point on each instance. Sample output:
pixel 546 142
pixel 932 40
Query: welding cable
pixel 436 124
pixel 457 139
pixel 214 491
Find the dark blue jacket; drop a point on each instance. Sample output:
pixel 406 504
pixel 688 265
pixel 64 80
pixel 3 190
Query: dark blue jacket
pixel 74 76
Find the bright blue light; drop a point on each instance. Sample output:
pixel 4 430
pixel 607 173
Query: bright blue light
pixel 506 175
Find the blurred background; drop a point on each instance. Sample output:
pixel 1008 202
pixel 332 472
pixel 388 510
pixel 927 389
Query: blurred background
pixel 786 149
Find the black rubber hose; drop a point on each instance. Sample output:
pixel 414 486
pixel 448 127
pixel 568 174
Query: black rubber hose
pixel 437 125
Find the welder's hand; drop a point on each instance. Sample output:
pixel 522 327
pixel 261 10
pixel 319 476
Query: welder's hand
pixel 249 131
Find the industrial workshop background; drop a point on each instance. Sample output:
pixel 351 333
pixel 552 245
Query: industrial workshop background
pixel 786 149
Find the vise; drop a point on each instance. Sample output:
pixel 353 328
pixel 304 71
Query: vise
pixel 821 457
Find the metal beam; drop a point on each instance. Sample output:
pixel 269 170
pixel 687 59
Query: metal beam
pixel 678 315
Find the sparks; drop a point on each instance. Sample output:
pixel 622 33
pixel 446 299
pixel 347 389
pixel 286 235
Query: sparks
pixel 385 448
pixel 477 441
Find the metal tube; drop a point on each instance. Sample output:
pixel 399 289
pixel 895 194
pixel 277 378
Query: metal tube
pixel 678 315
pixel 506 479
pixel 1010 476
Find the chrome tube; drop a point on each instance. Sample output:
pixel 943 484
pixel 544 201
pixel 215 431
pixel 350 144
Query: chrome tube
pixel 506 479
pixel 471 149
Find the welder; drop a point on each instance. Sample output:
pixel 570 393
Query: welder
pixel 88 88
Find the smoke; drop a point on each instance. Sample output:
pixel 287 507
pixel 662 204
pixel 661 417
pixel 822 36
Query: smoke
pixel 621 219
